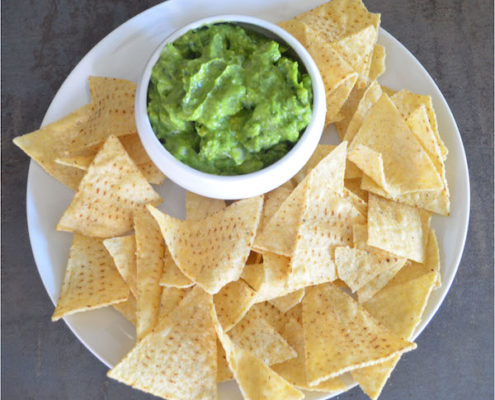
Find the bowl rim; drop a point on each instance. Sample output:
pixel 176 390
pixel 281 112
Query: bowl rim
pixel 231 187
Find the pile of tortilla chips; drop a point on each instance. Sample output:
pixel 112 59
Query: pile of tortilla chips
pixel 321 279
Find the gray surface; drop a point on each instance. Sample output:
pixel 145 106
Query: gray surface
pixel 43 40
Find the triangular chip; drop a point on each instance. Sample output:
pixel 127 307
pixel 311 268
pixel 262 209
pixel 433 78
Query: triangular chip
pixel 396 228
pixel 170 299
pixel 367 291
pixel 285 303
pixel 150 251
pixel 128 309
pixel 91 280
pixel 112 189
pixel 177 360
pixel 172 276
pixel 377 66
pixel 254 334
pixel 232 302
pixel 406 166
pixel 213 251
pixel 343 338
pixel 199 207
pixel 294 370
pixel 255 379
pixel 398 307
pixel 123 251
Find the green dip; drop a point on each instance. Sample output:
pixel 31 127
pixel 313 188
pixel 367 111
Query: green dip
pixel 226 101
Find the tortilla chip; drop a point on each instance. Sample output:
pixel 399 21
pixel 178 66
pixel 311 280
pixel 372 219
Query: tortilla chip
pixel 388 91
pixel 346 337
pixel 223 370
pixel 172 276
pixel 212 251
pixel 150 251
pixel 91 280
pixel 128 309
pixel 354 185
pixel 255 379
pixel 112 189
pixel 321 151
pixel 273 201
pixel 294 370
pixel 409 102
pixel 170 299
pixel 271 314
pixel 177 360
pixel 285 303
pixel 406 166
pixel 80 162
pixel 369 97
pixel 254 334
pixel 436 201
pixel 377 66
pixel 398 307
pixel 51 141
pixel 358 267
pixel 199 207
pixel 338 76
pixel 232 302
pixel 123 251
pixel 367 291
pixel 396 228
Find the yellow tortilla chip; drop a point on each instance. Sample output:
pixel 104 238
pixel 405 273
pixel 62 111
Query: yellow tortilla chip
pixel 346 337
pixel 170 299
pixel 410 101
pixel 254 334
pixel 123 251
pixel 436 201
pixel 112 189
pixel 338 76
pixel 255 379
pixel 294 370
pixel 232 302
pixel 199 207
pixel 178 359
pixel 377 66
pixel 406 166
pixel 150 251
pixel 172 276
pixel 91 280
pixel 223 370
pixel 273 201
pixel 271 314
pixel 213 251
pixel 398 307
pixel 285 303
pixel 128 309
pixel 357 267
pixel 396 228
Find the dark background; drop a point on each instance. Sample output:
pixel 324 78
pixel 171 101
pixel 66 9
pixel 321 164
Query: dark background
pixel 42 41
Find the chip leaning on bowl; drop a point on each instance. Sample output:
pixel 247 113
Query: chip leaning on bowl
pixel 322 279
pixel 226 100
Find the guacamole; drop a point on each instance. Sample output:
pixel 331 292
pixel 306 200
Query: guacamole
pixel 228 101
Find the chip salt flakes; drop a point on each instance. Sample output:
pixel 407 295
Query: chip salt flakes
pixel 232 302
pixel 398 307
pixel 199 207
pixel 343 338
pixel 112 189
pixel 255 379
pixel 285 303
pixel 123 251
pixel 128 309
pixel 213 251
pixel 178 359
pixel 150 251
pixel 254 334
pixel 338 76
pixel 91 280
pixel 294 370
pixel 397 154
pixel 396 228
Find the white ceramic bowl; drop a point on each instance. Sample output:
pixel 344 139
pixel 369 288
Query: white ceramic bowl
pixel 238 186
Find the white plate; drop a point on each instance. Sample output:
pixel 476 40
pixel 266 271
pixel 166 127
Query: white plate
pixel 122 54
